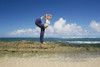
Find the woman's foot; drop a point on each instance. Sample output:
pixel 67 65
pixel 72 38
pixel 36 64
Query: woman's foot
pixel 44 45
pixel 45 25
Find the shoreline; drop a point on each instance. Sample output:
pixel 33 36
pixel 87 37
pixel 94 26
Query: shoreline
pixel 53 54
pixel 50 47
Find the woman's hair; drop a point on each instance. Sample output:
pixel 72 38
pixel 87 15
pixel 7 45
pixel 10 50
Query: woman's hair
pixel 48 16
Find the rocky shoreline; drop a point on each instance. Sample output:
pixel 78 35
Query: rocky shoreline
pixel 32 46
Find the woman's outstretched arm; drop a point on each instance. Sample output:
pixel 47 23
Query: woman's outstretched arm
pixel 42 17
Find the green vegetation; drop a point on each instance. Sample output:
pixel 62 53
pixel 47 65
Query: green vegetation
pixel 52 47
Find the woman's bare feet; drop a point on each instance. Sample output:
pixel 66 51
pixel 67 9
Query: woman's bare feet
pixel 44 45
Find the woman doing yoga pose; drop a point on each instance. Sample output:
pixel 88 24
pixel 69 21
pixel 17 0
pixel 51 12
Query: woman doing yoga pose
pixel 38 22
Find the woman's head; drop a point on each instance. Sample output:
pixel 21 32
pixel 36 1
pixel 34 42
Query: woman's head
pixel 48 16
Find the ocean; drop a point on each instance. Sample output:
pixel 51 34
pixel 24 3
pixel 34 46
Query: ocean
pixel 63 40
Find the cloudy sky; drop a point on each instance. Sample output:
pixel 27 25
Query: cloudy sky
pixel 71 18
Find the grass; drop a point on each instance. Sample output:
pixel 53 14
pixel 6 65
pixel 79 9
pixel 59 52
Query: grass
pixel 50 47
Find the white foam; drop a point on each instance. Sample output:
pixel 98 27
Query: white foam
pixel 80 42
pixel 84 42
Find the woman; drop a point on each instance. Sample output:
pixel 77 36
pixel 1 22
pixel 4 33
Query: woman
pixel 38 22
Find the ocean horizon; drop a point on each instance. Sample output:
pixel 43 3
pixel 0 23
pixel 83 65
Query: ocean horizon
pixel 53 39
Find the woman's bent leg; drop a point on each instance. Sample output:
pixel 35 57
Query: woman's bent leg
pixel 42 35
pixel 38 22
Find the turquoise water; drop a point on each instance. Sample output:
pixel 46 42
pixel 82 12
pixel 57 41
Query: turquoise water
pixel 65 40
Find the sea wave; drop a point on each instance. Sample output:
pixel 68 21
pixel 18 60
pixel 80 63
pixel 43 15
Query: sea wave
pixel 80 42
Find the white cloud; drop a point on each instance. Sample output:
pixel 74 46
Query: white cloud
pixel 25 32
pixel 59 25
pixel 60 28
pixel 96 26
pixel 50 30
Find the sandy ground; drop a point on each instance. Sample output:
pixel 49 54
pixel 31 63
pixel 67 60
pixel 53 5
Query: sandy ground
pixel 38 62
pixel 53 60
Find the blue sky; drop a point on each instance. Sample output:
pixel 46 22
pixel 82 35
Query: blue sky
pixel 18 15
